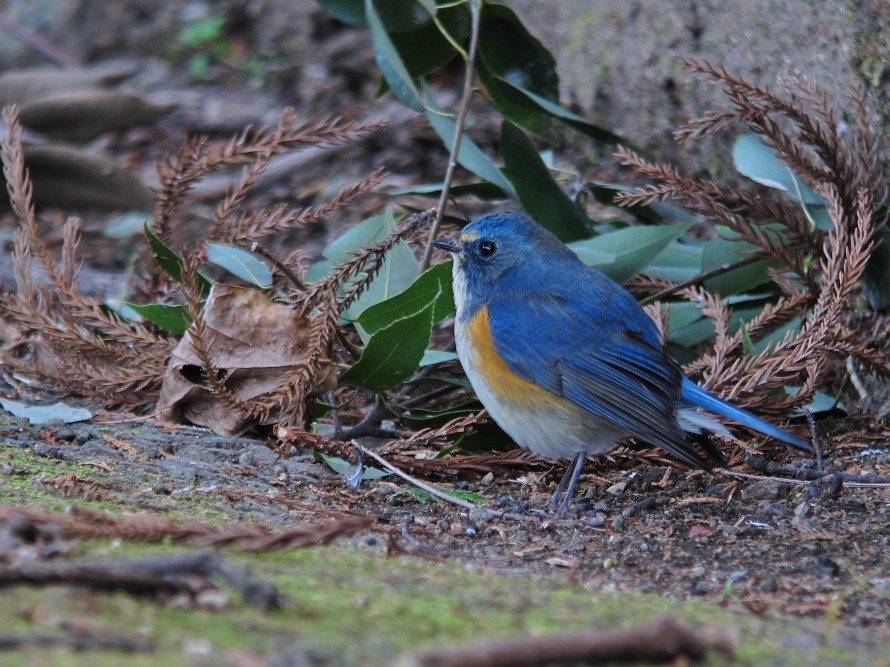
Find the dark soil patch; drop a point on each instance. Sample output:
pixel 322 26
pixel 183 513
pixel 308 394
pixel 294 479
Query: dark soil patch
pixel 774 545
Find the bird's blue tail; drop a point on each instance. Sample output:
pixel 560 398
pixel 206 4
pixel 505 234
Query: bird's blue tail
pixel 697 396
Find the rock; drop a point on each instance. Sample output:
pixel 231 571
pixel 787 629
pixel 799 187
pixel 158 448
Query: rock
pixel 768 489
pixel 620 61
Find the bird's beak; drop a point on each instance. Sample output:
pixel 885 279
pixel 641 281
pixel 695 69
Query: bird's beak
pixel 448 246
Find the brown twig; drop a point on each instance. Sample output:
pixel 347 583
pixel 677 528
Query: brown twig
pixel 150 527
pixel 286 271
pixel 664 640
pixel 432 490
pixel 768 467
pixel 164 574
pixel 487 512
pixel 76 642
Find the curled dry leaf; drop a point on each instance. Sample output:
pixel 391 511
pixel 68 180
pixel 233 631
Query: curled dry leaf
pixel 23 86
pixel 254 343
pixel 65 177
pixel 86 114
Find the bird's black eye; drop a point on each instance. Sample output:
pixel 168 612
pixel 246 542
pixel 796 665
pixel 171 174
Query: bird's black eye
pixel 487 248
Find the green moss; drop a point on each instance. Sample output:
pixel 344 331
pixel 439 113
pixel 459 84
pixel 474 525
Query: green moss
pixel 347 604
pixel 357 606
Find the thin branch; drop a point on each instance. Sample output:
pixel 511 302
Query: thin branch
pixel 701 278
pixel 432 490
pixel 475 14
pixel 278 264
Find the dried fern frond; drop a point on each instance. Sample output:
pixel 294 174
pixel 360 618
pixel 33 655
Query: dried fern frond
pixel 744 214
pixel 92 350
pixel 178 173
pixel 254 226
pixel 78 345
pixel 289 136
pixel 252 150
pixel 819 273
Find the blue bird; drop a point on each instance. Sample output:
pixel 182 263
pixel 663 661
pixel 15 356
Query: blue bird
pixel 565 359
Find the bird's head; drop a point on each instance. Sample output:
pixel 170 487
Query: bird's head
pixel 500 251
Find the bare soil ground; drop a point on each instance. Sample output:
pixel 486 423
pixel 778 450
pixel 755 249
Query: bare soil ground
pixel 757 545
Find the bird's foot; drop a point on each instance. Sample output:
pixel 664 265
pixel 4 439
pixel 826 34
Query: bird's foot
pixel 510 504
pixel 556 507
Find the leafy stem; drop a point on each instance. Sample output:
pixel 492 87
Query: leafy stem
pixel 475 14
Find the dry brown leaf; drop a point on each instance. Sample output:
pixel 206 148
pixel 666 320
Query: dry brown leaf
pixel 23 86
pixel 65 177
pixel 84 115
pixel 255 342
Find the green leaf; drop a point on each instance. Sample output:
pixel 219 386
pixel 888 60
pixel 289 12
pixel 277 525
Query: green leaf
pixel 821 403
pixel 242 263
pixel 720 251
pixel 747 343
pixel 390 62
pixel 398 272
pixel 41 414
pixel 464 494
pixel 440 382
pixel 203 31
pixel 344 467
pixel 469 156
pixel 127 224
pixel 570 118
pixel 510 56
pixel 393 354
pixel 318 271
pixel 365 233
pixel 630 250
pixel 519 74
pixel 515 106
pixel 348 11
pixel 396 15
pixel 540 195
pixel 121 309
pixel 679 262
pixel 688 328
pixel 168 260
pixel 426 49
pixel 511 52
pixel 169 318
pixel 482 190
pixel 416 418
pixel 434 284
pixel 591 255
pixel 757 161
pixel 487 437
pixel 433 357
pixel 877 273
pixel 535 112
pixel 777 335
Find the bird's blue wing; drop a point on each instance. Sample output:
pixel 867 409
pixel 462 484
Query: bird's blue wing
pixel 597 348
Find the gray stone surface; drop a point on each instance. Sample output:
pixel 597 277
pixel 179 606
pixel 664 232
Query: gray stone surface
pixel 620 61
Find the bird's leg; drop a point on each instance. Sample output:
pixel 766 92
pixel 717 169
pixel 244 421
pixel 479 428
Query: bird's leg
pixel 566 486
